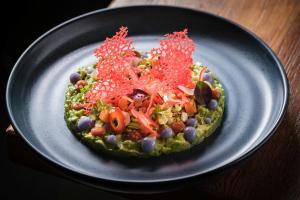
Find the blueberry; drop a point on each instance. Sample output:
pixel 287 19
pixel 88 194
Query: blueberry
pixel 111 139
pixel 166 133
pixel 148 144
pixel 213 104
pixel 90 70
pixel 84 123
pixel 189 134
pixel 207 120
pixel 207 77
pixel 191 122
pixel 107 127
pixel 74 77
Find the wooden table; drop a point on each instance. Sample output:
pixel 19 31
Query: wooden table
pixel 274 171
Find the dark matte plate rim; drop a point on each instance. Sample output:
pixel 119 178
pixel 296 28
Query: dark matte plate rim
pixel 217 169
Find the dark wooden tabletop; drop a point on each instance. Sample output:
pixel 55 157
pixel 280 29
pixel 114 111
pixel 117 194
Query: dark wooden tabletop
pixel 274 171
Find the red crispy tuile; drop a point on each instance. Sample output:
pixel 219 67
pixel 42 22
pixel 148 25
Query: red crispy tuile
pixel 173 59
pixel 115 56
pixel 170 68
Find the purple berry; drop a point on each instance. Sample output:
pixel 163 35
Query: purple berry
pixel 189 134
pixel 111 139
pixel 84 123
pixel 166 133
pixel 207 120
pixel 213 104
pixel 191 122
pixel 107 127
pixel 148 144
pixel 74 77
pixel 90 70
pixel 207 77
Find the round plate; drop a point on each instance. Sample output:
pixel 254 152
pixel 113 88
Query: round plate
pixel 255 84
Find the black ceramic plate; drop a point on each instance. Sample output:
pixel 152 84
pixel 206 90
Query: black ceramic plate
pixel 255 85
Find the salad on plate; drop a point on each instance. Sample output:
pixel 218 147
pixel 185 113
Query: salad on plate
pixel 143 104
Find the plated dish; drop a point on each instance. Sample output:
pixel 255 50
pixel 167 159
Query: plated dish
pixel 254 82
pixel 144 104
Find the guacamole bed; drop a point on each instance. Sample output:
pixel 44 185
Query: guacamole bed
pixel 207 121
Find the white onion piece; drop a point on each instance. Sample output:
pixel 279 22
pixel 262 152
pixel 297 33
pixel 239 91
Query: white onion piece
pixel 186 90
pixel 165 98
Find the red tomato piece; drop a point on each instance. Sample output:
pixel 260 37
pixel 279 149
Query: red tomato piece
pixel 117 121
pixel 147 124
pixel 98 131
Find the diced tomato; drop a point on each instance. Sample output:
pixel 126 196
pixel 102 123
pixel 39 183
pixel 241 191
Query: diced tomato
pixel 138 103
pixel 190 107
pixel 98 131
pixel 216 93
pixel 147 124
pixel 145 103
pixel 157 99
pixel 178 126
pixel 104 115
pixel 123 103
pixel 117 121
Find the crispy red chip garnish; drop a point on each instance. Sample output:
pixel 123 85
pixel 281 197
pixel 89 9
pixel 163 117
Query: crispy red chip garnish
pixel 115 56
pixel 117 77
pixel 172 60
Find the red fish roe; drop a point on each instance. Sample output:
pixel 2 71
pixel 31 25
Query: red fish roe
pixel 172 60
pixel 114 73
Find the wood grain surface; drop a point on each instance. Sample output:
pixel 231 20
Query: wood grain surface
pixel 274 171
